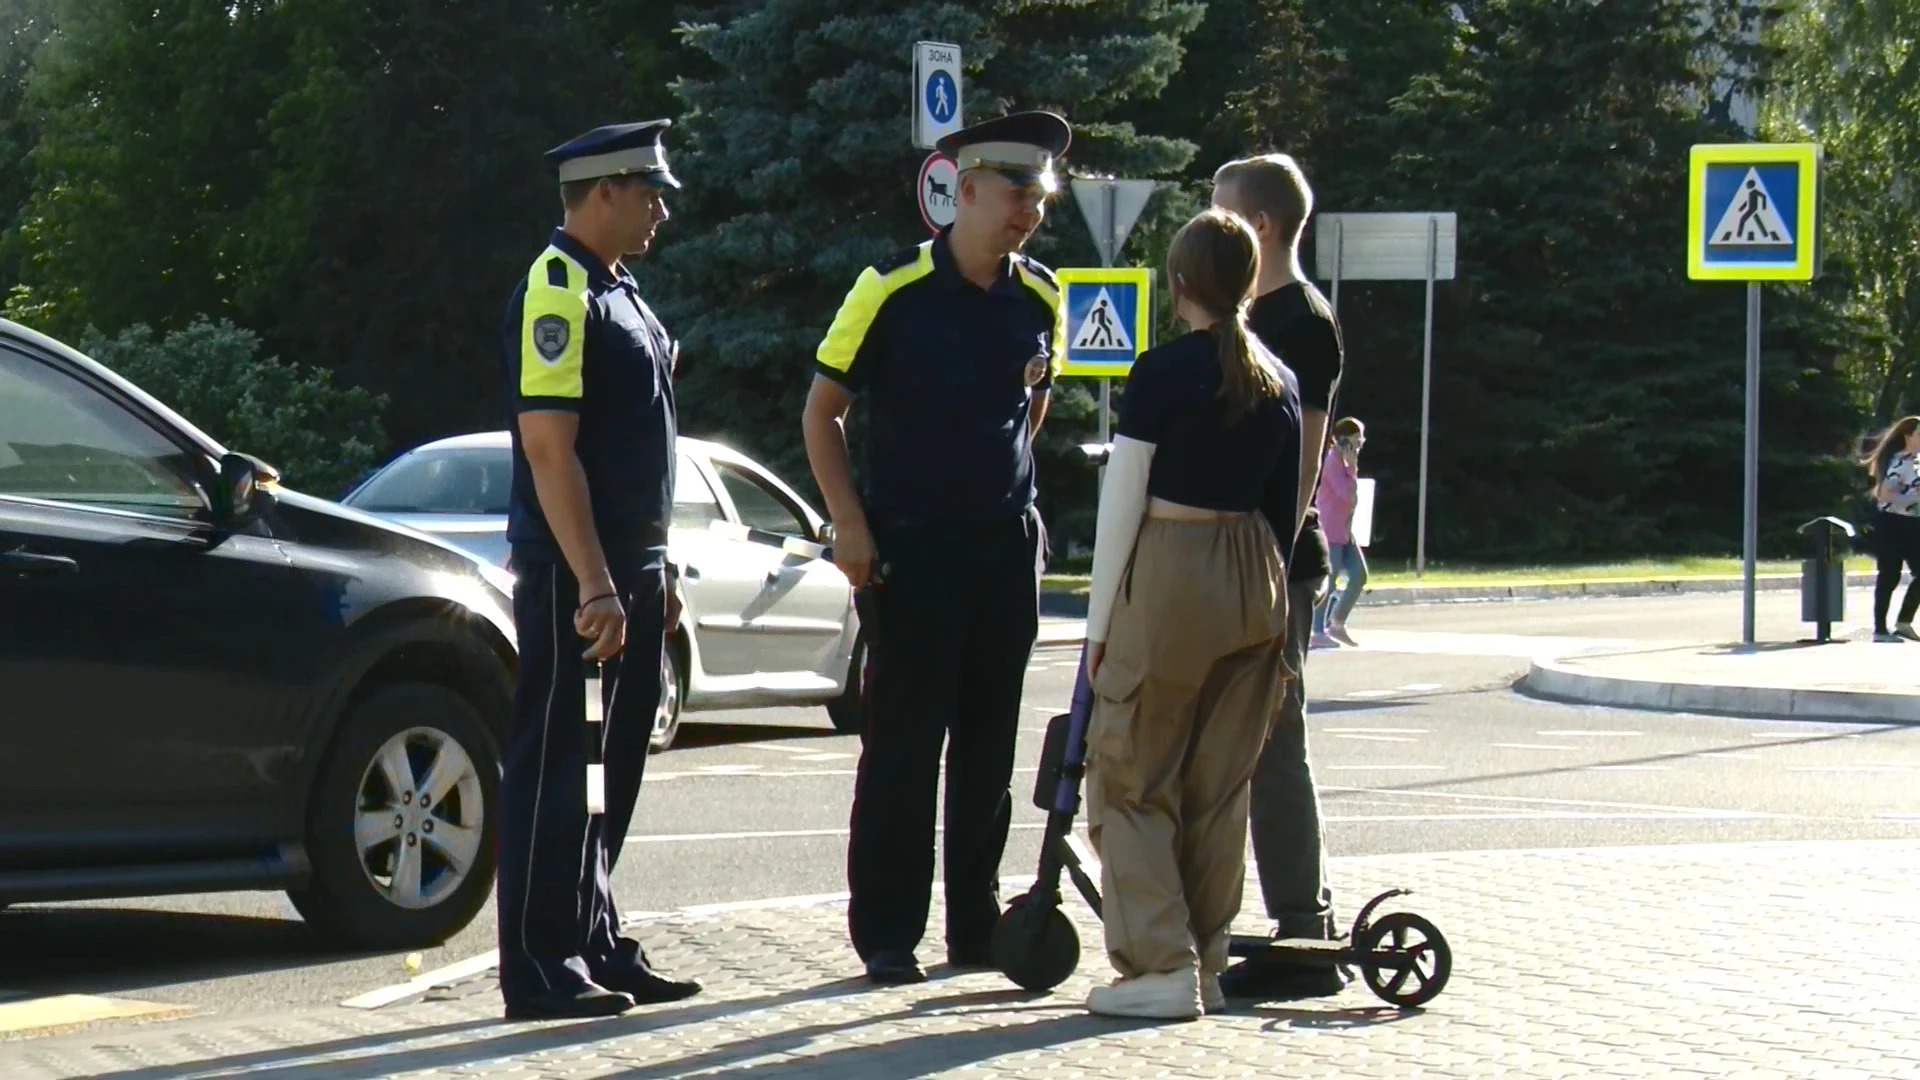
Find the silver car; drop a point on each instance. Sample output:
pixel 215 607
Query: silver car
pixel 766 619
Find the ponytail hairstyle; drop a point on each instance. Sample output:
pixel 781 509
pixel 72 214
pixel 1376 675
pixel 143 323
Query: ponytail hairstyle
pixel 1891 443
pixel 1213 264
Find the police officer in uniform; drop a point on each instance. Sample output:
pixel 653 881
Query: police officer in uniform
pixel 589 374
pixel 954 343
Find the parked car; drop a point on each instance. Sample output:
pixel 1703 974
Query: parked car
pixel 214 683
pixel 767 619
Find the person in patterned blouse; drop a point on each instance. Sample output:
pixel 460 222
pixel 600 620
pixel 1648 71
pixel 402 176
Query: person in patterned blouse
pixel 1895 466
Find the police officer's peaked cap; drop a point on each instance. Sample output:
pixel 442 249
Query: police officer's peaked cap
pixel 1021 145
pixel 616 150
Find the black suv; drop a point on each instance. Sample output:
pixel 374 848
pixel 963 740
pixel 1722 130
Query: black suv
pixel 210 683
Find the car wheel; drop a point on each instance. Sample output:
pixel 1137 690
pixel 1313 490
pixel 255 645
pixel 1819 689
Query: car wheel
pixel 400 830
pixel 673 697
pixel 847 710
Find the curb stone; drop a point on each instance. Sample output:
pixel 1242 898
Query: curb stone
pixel 1559 680
pixel 1063 603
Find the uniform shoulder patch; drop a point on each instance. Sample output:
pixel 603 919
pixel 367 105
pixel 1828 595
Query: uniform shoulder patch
pixel 557 272
pixel 899 260
pixel 1039 270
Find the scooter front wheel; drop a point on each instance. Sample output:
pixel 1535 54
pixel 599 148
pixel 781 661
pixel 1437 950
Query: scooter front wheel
pixel 1035 944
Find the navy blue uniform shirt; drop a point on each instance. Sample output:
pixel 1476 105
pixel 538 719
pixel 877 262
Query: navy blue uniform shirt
pixel 578 338
pixel 1173 401
pixel 949 371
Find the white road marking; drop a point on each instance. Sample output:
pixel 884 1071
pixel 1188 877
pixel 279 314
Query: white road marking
pixel 420 984
pixel 1380 768
pixel 1420 687
pixel 1376 738
pixel 824 756
pixel 1368 694
pixel 779 748
pixel 1850 768
pixel 1625 768
pixel 1734 755
pixel 1050 710
pixel 1535 800
pixel 1378 730
pixel 1580 733
pixel 1529 746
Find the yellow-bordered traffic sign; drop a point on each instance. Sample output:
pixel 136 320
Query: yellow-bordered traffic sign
pixel 1108 313
pixel 1753 212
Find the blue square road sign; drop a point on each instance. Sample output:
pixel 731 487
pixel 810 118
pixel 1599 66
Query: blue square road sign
pixel 1108 316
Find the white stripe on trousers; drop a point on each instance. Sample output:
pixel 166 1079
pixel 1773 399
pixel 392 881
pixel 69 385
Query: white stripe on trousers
pixel 546 721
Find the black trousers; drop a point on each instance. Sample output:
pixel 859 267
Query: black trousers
pixel 1897 544
pixel 956 616
pixel 558 923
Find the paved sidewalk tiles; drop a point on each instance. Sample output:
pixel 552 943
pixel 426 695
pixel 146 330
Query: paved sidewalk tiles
pixel 1749 960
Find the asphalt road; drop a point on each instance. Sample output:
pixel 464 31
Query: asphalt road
pixel 1419 741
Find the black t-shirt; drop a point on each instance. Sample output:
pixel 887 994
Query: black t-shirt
pixel 1298 325
pixel 1173 401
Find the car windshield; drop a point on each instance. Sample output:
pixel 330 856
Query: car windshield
pixel 467 481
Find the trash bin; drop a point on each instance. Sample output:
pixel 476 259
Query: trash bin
pixel 1823 577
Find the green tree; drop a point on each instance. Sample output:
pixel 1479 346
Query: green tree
pixel 25 26
pixel 318 434
pixel 1845 75
pixel 800 173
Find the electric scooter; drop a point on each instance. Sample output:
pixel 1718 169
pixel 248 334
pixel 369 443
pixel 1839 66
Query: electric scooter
pixel 1402 957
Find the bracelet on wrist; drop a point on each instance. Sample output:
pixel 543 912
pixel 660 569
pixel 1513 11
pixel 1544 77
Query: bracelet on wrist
pixel 603 596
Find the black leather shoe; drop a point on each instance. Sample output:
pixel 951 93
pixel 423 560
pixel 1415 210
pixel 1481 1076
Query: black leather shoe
pixel 895 968
pixel 648 987
pixel 571 1003
pixel 1262 978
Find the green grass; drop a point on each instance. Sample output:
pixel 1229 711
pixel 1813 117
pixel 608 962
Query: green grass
pixel 1442 574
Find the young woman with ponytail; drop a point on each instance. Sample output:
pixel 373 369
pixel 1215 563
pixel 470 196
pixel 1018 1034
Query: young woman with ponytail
pixel 1186 628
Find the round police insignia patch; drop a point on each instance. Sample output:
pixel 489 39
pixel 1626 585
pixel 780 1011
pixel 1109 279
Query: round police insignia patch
pixel 1036 369
pixel 550 336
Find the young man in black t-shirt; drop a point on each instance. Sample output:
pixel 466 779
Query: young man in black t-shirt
pixel 1296 324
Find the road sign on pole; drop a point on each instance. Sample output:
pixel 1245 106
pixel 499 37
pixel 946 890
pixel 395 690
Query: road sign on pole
pixel 1394 247
pixel 1753 215
pixel 939 186
pixel 1107 313
pixel 1110 208
pixel 936 92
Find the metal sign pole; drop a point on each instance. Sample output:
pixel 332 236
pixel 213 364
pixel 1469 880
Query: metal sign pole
pixel 1108 256
pixel 1751 524
pixel 1426 397
pixel 1339 253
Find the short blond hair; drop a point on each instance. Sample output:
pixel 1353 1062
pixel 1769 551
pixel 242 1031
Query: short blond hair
pixel 1274 185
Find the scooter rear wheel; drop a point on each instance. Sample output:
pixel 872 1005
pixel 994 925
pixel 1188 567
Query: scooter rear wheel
pixel 1035 944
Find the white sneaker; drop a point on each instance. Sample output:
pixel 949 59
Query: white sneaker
pixel 1167 995
pixel 1213 999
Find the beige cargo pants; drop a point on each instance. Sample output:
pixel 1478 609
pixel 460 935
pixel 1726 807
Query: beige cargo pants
pixel 1184 698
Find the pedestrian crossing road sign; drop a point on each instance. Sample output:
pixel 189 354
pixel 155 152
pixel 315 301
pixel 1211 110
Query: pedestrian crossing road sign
pixel 1753 212
pixel 1107 312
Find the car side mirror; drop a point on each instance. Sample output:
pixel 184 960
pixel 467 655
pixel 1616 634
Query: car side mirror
pixel 236 493
pixel 826 534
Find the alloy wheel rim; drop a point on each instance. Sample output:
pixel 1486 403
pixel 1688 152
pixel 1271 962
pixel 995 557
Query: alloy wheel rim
pixel 418 818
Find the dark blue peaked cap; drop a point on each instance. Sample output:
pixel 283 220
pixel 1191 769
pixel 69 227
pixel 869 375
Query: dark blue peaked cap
pixel 1022 145
pixel 616 150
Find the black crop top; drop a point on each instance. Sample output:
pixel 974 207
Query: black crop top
pixel 1172 400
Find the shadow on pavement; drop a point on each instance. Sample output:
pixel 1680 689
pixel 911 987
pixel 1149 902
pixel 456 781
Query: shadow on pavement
pixel 1331 1019
pixel 704 730
pixel 917 1056
pixel 107 950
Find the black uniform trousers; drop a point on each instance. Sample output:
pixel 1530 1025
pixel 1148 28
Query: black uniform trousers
pixel 558 924
pixel 952 630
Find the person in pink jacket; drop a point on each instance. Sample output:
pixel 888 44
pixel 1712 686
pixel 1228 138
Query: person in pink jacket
pixel 1338 494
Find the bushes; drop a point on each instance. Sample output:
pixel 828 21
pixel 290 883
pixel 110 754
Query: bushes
pixel 319 435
